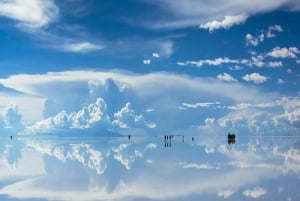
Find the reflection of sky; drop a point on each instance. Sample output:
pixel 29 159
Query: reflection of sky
pixel 150 168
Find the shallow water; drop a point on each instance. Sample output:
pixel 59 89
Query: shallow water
pixel 150 168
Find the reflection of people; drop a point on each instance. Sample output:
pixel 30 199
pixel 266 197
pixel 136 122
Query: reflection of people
pixel 11 137
pixel 168 140
pixel 231 138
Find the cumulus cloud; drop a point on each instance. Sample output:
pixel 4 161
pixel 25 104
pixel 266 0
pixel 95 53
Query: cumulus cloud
pixel 251 40
pixel 226 193
pixel 81 47
pixel 119 102
pixel 255 78
pixel 270 33
pixel 155 54
pixel 147 61
pixel 226 77
pixel 226 23
pixel 257 192
pixel 274 28
pixel 284 52
pixel 275 64
pixel 30 13
pixel 87 117
pixel 13 117
pixel 127 118
pixel 257 61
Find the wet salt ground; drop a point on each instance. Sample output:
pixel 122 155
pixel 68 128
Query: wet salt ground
pixel 150 168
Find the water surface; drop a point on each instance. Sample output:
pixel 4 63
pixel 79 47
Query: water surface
pixel 150 168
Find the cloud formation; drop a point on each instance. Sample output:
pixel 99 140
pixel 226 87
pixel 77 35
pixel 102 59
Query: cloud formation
pixel 284 52
pixel 257 192
pixel 31 13
pixel 143 104
pixel 81 47
pixel 270 33
pixel 226 23
pixel 186 13
pixel 226 77
pixel 255 78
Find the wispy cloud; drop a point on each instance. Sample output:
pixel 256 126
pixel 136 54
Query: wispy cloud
pixel 226 23
pixel 186 13
pixel 30 13
pixel 81 47
pixel 212 62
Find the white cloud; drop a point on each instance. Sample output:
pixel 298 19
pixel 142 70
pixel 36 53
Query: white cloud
pixel 280 81
pixel 195 165
pixel 255 40
pixel 251 40
pixel 226 23
pixel 275 64
pixel 185 13
pixel 147 61
pixel 255 77
pixel 161 92
pixel 284 52
pixel 13 117
pixel 199 105
pixel 151 146
pixel 30 13
pixel 257 61
pixel 120 156
pixel 87 117
pixel 155 54
pixel 236 67
pixel 226 77
pixel 81 47
pixel 127 118
pixel 257 192
pixel 226 193
pixel 212 62
pixel 272 29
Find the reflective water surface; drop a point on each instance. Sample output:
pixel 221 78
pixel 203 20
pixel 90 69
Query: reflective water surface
pixel 150 168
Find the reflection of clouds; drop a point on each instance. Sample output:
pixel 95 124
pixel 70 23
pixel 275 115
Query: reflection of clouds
pixel 10 156
pixel 226 193
pixel 151 146
pixel 121 158
pixel 196 166
pixel 82 153
pixel 257 192
pixel 181 171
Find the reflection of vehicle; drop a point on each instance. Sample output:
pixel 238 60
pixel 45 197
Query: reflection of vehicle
pixel 231 138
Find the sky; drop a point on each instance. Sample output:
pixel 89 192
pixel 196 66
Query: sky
pixel 149 67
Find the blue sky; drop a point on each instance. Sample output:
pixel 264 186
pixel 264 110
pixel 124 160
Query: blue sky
pixel 144 67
